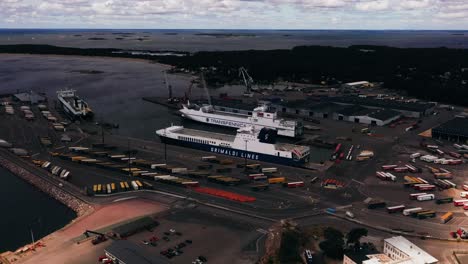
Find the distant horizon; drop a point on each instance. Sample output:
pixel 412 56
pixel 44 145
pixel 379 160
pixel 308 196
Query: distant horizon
pixel 228 29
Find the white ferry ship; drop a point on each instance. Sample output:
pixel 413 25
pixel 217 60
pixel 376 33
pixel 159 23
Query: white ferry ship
pixel 248 143
pixel 73 105
pixel 261 117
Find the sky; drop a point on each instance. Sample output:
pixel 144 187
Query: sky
pixel 235 14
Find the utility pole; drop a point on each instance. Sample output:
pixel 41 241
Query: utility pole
pixel 102 133
pixel 245 156
pixel 32 235
pixel 165 147
pixel 129 171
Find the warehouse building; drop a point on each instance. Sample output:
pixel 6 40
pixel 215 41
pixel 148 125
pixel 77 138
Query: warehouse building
pixel 306 108
pixel 408 109
pixel 362 115
pixel 134 226
pixel 126 252
pixel 455 130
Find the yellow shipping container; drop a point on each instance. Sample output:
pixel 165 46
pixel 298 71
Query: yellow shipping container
pixel 277 180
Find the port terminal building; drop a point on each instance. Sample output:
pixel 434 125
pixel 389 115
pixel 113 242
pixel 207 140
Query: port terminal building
pixel 455 130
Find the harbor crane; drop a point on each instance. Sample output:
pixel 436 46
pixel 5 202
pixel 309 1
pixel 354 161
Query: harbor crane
pixel 171 99
pixel 248 81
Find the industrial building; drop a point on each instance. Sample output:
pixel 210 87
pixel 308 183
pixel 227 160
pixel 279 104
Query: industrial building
pixel 396 250
pixel 126 252
pixel 455 130
pixel 134 226
pixel 362 115
pixel 306 108
pixel 408 109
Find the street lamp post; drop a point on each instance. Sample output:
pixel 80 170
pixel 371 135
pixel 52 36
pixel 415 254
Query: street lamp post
pixel 245 155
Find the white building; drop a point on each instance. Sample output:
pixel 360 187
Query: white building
pixel 397 250
pixel 400 248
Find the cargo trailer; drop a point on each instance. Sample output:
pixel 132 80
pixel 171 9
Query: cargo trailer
pixel 394 209
pixel 408 212
pixel 294 184
pixel 446 217
pixel 425 197
pixel 414 196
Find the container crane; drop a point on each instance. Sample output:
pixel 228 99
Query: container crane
pixel 248 81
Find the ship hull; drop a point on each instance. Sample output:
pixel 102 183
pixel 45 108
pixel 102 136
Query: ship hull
pixel 236 123
pixel 234 152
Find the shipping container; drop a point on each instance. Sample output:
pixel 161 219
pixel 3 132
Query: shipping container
pixel 113 187
pixel 269 170
pixel 412 210
pixel 394 209
pixel 430 214
pixel 294 184
pixel 277 180
pixel 414 196
pixel 460 202
pixel 425 197
pixel 122 186
pixel 127 186
pixel 134 185
pixel 401 169
pixel 109 190
pixel 446 217
pixel 139 184
pixel 95 188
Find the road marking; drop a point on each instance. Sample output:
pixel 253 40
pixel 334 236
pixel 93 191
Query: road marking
pixel 123 199
pixel 358 182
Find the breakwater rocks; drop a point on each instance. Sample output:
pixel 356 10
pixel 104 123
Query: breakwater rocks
pixel 80 207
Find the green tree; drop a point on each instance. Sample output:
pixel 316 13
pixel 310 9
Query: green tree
pixel 333 245
pixel 354 236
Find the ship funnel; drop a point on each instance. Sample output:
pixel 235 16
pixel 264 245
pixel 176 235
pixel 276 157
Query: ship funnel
pixel 268 135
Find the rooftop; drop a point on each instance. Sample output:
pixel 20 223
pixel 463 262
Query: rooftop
pixel 457 126
pixel 357 83
pixel 131 253
pixel 417 255
pixel 354 110
pixel 384 114
pixel 361 255
pixel 383 103
pixel 32 97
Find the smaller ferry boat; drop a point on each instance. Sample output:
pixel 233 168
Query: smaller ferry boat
pixel 74 106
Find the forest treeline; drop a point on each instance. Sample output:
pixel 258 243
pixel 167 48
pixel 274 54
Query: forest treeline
pixel 438 74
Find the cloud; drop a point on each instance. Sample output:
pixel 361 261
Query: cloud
pixel 230 13
pixel 373 5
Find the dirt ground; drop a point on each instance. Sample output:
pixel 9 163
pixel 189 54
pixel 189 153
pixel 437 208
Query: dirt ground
pixel 60 247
